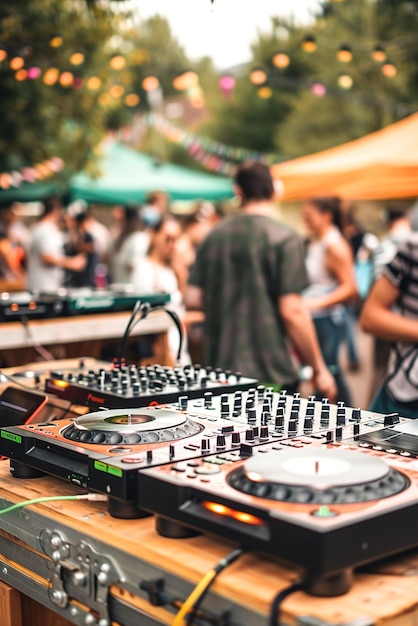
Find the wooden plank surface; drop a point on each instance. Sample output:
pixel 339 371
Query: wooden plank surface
pixel 10 606
pixel 252 581
pixel 79 328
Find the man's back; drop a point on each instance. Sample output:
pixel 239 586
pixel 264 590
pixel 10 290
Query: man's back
pixel 244 266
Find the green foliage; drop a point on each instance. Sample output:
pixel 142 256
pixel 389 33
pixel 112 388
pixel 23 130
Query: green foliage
pixel 295 122
pixel 37 120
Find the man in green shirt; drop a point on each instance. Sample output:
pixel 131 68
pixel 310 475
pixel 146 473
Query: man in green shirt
pixel 248 278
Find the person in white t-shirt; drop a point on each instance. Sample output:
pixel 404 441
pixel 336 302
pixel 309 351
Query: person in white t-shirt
pixel 130 247
pixel 156 274
pixel 46 258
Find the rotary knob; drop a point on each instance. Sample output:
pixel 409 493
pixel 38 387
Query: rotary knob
pixel 252 416
pixel 264 433
pixel 220 442
pixel 249 434
pixel 279 420
pixel 260 392
pixel 205 445
pixel 236 438
pixel 293 426
pixel 356 415
pixel 307 424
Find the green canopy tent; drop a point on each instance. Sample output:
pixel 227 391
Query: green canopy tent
pixel 127 176
pixel 29 192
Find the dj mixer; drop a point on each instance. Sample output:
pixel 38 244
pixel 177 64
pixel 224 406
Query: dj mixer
pixel 121 385
pixel 73 301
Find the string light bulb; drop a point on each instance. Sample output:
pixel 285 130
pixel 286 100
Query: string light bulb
pixel 389 69
pixel 55 41
pixel 16 63
pixel 117 62
pixel 21 75
pixel 345 81
pixel 258 76
pixel 3 54
pixel 94 83
pixel 264 92
pixel 77 58
pixel 117 91
pixel 309 44
pixel 51 76
pixel 379 54
pixel 150 83
pixel 131 99
pixel 344 54
pixel 66 79
pixel 281 60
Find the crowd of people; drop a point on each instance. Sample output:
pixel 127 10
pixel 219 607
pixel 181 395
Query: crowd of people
pixel 273 301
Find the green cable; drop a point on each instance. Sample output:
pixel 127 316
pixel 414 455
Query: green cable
pixel 36 501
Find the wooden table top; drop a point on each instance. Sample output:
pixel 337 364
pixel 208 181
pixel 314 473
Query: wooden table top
pixel 252 581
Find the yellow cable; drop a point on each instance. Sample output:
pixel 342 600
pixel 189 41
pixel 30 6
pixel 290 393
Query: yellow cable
pixel 188 604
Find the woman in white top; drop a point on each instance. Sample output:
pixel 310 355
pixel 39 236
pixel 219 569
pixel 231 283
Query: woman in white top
pixel 330 268
pixel 130 247
pixel 156 274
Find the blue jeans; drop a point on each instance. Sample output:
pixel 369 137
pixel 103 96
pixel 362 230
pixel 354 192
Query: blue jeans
pixel 331 332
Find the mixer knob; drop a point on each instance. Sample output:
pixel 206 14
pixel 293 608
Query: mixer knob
pixel 338 433
pixel 246 449
pixel 266 406
pixel 279 419
pixel 183 401
pixel 341 414
pixel 135 389
pixel 171 450
pixel 293 426
pixel 330 436
pixel 356 415
pixel 71 377
pixel 124 385
pixel 260 392
pixel 249 434
pixel 264 433
pixel 252 416
pixel 236 438
pixel 391 419
pixel 205 445
pixel 181 384
pixel 218 372
pixel 294 414
pixel 208 400
pixel 264 418
pixel 228 374
pixel 149 456
pixel 144 383
pixel 307 424
pixel 238 376
pixel 204 381
pixel 187 368
pixel 325 414
pixel 220 442
pixel 356 431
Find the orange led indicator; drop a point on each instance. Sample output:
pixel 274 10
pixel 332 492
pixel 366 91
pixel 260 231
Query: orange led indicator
pixel 239 516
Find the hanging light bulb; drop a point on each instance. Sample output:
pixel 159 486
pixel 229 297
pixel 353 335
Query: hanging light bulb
pixel 264 92
pixel 94 83
pixel 34 72
pixel 51 76
pixel 344 54
pixel 389 69
pixel 258 76
pixel 16 63
pixel 117 62
pixel 21 75
pixel 3 54
pixel 55 41
pixel 66 79
pixel 309 44
pixel 281 60
pixel 77 58
pixel 345 81
pixel 379 54
pixel 150 83
pixel 117 91
pixel 132 99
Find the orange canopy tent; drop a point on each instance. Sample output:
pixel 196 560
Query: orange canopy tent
pixel 378 166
